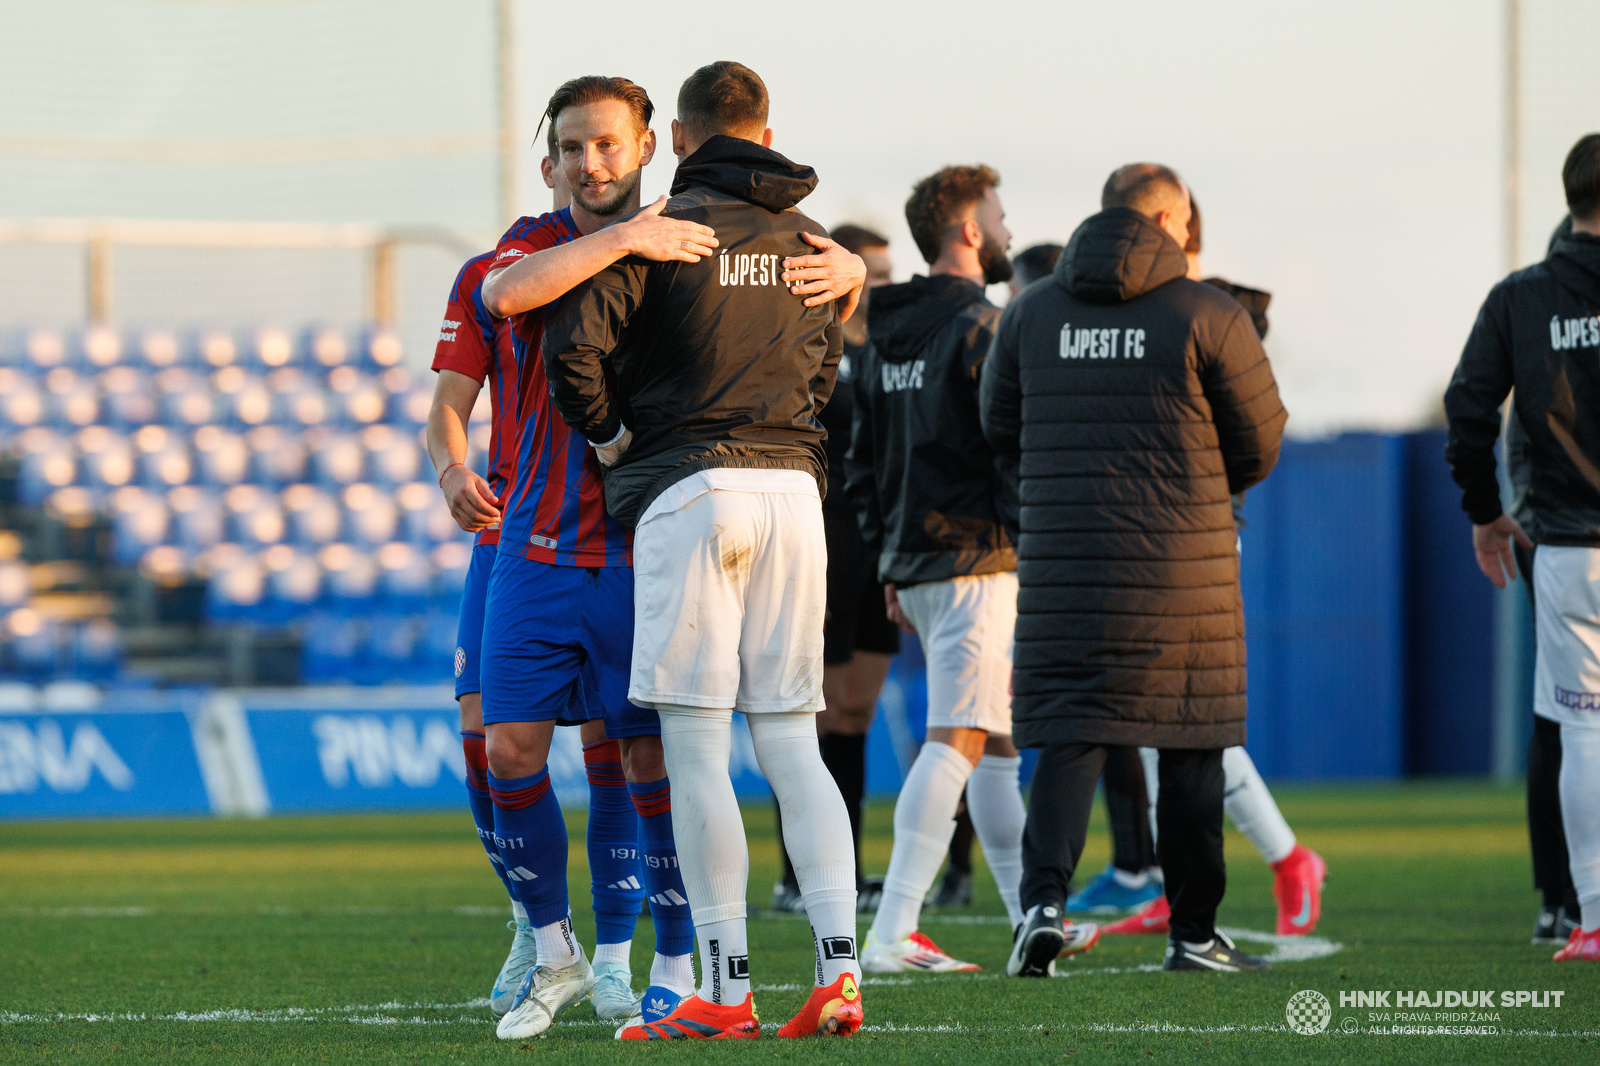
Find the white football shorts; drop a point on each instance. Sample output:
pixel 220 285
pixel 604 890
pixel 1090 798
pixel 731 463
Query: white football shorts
pixel 1566 673
pixel 967 626
pixel 730 589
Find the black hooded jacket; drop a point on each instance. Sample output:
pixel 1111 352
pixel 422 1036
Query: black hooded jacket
pixel 1135 401
pixel 925 483
pixel 710 364
pixel 1538 332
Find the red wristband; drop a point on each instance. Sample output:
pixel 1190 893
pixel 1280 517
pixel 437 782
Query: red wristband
pixel 445 471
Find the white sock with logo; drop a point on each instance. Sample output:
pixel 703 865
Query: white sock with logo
pixel 557 944
pixel 822 853
pixel 712 853
pixel 994 802
pixel 1580 814
pixel 924 821
pixel 675 972
pixel 1254 812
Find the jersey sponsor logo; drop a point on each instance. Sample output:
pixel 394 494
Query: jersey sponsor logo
pixel 748 268
pixel 897 377
pixel 509 254
pixel 447 330
pixel 1568 333
pixel 543 542
pixel 1101 343
pixel 1578 701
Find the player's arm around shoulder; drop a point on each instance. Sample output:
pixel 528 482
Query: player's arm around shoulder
pixel 540 277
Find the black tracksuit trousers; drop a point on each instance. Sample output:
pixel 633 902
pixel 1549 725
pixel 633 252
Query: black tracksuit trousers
pixel 1188 823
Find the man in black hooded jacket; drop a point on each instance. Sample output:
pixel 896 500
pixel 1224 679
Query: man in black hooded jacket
pixel 1539 331
pixel 1135 400
pixel 700 387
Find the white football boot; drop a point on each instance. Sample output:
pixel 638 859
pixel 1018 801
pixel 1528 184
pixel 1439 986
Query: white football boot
pixel 542 994
pixel 915 954
pixel 524 953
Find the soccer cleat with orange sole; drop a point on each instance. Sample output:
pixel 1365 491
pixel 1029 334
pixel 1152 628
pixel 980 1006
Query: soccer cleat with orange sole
pixel 831 1011
pixel 1079 937
pixel 1153 917
pixel 1580 947
pixel 1298 890
pixel 696 1019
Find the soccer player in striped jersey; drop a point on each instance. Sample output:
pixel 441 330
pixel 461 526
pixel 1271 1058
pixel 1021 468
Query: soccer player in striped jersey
pixel 559 613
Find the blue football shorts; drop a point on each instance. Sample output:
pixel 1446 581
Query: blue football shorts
pixel 469 630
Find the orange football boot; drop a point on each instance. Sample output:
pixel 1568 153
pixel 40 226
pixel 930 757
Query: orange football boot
pixel 695 1019
pixel 1153 917
pixel 831 1011
pixel 1580 947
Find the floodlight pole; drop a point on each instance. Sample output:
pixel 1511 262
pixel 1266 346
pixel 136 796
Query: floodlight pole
pixel 506 100
pixel 1513 104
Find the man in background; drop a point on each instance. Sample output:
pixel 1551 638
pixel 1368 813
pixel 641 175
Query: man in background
pixel 1538 332
pixel 1135 401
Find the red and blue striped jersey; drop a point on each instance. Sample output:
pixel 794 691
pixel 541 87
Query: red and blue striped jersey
pixel 475 343
pixel 556 510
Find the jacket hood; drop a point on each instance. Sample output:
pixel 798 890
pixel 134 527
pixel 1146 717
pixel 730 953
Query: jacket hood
pixel 1575 262
pixel 902 319
pixel 1116 256
pixel 745 170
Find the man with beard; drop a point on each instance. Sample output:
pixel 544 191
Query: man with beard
pixel 700 385
pixel 934 507
pixel 558 631
pixel 1135 400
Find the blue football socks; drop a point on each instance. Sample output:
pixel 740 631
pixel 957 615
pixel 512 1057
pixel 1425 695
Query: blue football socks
pixel 613 839
pixel 478 801
pixel 532 837
pixel 669 903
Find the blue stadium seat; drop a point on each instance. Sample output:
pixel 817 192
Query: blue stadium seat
pixel 393 457
pixel 411 407
pixel 294 585
pixel 127 401
pixel 350 579
pixel 392 643
pixel 184 398
pixel 337 460
pixel 73 401
pixel 98 347
pixel 106 458
pixel 255 518
pixel 22 401
pixel 277 457
pixel 417 500
pixel 244 398
pixel 159 349
pixel 380 349
pixel 358 399
pixel 371 518
pixel 197 520
pixel 436 652
pixel 405 578
pixel 139 522
pixel 163 458
pixel 327 346
pixel 332 649
pixel 97 650
pixel 43 349
pixel 16 586
pixel 215 349
pixel 272 348
pixel 47 461
pixel 314 517
pixel 222 458
pixel 235 590
pixel 33 642
pixel 450 562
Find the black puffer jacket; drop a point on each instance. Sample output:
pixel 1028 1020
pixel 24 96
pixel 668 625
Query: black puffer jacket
pixel 716 363
pixel 1539 332
pixel 927 490
pixel 1136 400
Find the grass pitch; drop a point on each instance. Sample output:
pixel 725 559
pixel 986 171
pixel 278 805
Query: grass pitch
pixel 375 939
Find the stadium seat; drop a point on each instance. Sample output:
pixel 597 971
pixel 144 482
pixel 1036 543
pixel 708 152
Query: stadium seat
pixel 371 517
pixel 43 349
pixel 294 585
pixel 106 458
pixel 436 652
pixel 16 586
pixel 216 349
pixel 22 402
pixel 222 458
pixel 34 644
pixel 99 347
pixel 235 590
pixel 273 348
pixel 359 400
pixel 73 401
pixel 392 644
pixel 96 650
pixel 393 457
pixel 337 460
pixel 127 402
pixel 47 461
pixel 381 349
pixel 411 408
pixel 163 458
pixel 254 515
pixel 196 518
pixel 313 516
pixel 244 398
pixel 450 562
pixel 184 398
pixel 416 501
pixel 277 457
pixel 350 578
pixel 405 578
pixel 139 522
pixel 73 506
pixel 159 349
pixel 332 648
pixel 329 347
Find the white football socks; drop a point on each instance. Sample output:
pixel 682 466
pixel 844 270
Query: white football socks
pixel 1244 796
pixel 994 802
pixel 675 972
pixel 816 832
pixel 557 944
pixel 1254 812
pixel 712 853
pixel 924 821
pixel 615 954
pixel 1580 814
